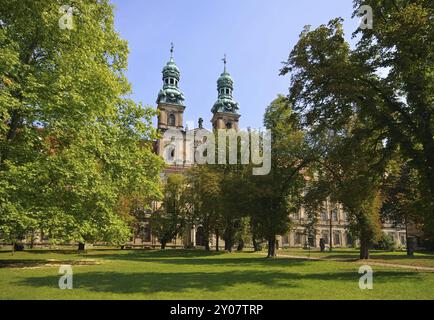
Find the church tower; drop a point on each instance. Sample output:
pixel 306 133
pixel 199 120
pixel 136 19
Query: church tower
pixel 225 110
pixel 170 104
pixel 170 101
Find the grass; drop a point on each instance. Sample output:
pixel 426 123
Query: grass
pixel 179 274
pixel 420 259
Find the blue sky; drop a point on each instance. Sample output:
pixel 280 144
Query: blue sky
pixel 256 35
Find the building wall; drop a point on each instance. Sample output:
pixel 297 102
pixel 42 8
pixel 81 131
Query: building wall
pixel 339 226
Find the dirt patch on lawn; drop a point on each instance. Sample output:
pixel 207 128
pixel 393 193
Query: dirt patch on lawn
pixel 34 264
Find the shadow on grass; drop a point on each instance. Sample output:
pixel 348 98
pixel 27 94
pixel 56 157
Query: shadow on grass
pixel 352 255
pixel 384 257
pixel 194 258
pixel 42 251
pixel 21 263
pixel 154 282
pixel 173 257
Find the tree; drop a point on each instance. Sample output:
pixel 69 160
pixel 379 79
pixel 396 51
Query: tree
pixel 169 221
pixel 71 145
pixel 386 82
pixel 233 202
pixel 204 197
pixel 273 197
pixel 403 202
pixel 346 172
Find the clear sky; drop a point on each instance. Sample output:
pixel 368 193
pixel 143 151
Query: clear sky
pixel 256 35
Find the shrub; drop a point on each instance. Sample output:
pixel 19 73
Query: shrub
pixel 386 243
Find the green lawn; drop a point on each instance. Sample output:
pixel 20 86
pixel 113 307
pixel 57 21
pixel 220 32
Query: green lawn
pixel 421 259
pixel 179 274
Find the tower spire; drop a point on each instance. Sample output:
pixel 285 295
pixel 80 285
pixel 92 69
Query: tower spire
pixel 171 50
pixel 225 109
pixel 171 76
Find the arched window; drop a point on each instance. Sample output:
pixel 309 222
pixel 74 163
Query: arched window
pixel 172 120
pixel 229 125
pixel 170 156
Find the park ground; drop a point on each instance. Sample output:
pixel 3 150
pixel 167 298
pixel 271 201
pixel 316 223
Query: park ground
pixel 194 274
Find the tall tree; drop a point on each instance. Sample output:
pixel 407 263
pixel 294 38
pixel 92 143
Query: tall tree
pixel 403 203
pixel 386 82
pixel 346 171
pixel 71 144
pixel 204 196
pixel 273 197
pixel 169 221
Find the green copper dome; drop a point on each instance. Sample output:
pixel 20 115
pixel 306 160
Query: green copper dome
pixel 225 80
pixel 225 102
pixel 170 92
pixel 171 70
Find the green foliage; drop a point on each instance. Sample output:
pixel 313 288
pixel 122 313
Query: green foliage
pixel 386 242
pixel 170 220
pixel 72 146
pixel 205 199
pixel 385 84
pixel 273 197
pixel 368 105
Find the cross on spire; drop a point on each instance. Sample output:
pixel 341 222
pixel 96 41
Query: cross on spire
pixel 225 61
pixel 171 50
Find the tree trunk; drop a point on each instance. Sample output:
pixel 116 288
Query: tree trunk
pixel 163 245
pixel 206 239
pixel 409 253
pixel 256 245
pixel 331 232
pixel 217 240
pixel 81 246
pixel 228 245
pixel 240 245
pixel 364 249
pixel 411 246
pixel 272 247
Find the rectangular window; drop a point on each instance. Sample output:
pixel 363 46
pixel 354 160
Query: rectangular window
pixel 297 238
pixel 403 239
pixel 335 214
pixel 392 236
pixel 325 236
pixel 324 215
pixel 349 240
pixel 337 238
pixel 311 241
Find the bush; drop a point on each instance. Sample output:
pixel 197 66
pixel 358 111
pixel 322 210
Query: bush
pixel 386 243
